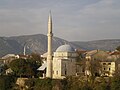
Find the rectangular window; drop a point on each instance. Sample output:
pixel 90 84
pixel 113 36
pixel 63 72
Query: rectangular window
pixel 109 63
pixel 83 70
pixel 57 72
pixel 65 72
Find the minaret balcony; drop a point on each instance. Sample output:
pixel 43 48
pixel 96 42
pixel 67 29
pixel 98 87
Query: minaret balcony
pixel 50 34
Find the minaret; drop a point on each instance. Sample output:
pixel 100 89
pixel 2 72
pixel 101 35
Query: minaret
pixel 49 52
pixel 24 51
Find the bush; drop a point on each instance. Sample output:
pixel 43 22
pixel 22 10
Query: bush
pixel 43 84
pixel 6 82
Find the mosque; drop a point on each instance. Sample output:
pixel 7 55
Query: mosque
pixel 60 63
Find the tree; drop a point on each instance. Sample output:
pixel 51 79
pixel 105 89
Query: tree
pixel 30 84
pixel 115 83
pixel 118 48
pixel 102 84
pixel 36 57
pixel 24 67
pixel 43 84
pixel 6 82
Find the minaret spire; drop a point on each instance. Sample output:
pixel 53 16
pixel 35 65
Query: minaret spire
pixel 49 52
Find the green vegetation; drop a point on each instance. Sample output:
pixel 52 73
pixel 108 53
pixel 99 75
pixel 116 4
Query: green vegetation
pixel 69 83
pixel 115 85
pixel 24 67
pixel 118 48
pixel 28 68
pixel 73 83
pixel 6 82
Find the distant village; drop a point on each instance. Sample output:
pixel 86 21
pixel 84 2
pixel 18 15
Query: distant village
pixel 104 63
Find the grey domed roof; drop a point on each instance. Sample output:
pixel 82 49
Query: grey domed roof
pixel 65 48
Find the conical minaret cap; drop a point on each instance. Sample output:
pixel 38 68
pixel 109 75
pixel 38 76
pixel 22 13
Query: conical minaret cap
pixel 50 23
pixel 50 17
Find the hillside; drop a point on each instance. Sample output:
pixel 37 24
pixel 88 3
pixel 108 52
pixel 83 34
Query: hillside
pixel 34 43
pixel 38 43
pixel 99 44
pixel 9 46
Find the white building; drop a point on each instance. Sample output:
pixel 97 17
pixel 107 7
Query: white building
pixel 64 62
pixel 9 57
pixel 108 68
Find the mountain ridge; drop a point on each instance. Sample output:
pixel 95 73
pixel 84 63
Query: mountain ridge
pixel 38 43
pixel 106 44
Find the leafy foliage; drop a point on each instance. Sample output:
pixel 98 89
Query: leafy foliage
pixel 24 67
pixel 115 82
pixel 36 58
pixel 6 82
pixel 43 84
pixel 118 48
pixel 69 83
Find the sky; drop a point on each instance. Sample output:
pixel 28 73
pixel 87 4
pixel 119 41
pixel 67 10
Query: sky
pixel 73 20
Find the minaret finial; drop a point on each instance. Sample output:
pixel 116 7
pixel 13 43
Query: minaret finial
pixel 49 15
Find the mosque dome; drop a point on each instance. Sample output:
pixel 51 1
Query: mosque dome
pixel 65 48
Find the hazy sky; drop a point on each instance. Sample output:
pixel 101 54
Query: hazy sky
pixel 81 20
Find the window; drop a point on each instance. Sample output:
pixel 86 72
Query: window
pixel 65 69
pixel 104 68
pixel 104 63
pixel 109 63
pixel 65 72
pixel 83 70
pixel 109 69
pixel 57 72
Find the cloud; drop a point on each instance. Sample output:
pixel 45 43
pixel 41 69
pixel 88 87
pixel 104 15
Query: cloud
pixel 105 9
pixel 72 19
pixel 100 20
pixel 22 21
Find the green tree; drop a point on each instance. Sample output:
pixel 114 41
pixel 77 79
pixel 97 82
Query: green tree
pixel 43 84
pixel 115 82
pixel 75 83
pixel 101 84
pixel 37 58
pixel 6 82
pixel 24 67
pixel 30 84
pixel 118 48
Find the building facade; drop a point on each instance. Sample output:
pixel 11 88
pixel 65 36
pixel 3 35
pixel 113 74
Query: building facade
pixel 108 68
pixel 64 62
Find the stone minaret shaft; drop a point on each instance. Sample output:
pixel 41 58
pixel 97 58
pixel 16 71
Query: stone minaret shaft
pixel 49 52
pixel 24 51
